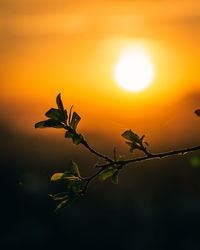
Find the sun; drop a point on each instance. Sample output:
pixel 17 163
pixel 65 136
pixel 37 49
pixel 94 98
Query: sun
pixel 134 71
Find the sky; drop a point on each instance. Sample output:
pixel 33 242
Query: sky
pixel 71 47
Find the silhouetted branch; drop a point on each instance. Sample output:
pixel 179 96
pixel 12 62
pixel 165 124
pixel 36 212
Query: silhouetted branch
pixel 96 153
pixel 76 186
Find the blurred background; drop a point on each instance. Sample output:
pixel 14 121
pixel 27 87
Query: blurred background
pixel 72 47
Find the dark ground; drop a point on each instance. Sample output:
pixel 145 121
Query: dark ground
pixel 155 206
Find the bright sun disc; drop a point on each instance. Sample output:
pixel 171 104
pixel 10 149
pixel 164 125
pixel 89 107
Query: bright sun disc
pixel 134 71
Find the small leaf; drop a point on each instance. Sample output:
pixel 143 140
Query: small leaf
pixel 73 167
pixel 75 120
pixel 197 112
pixel 59 102
pixel 129 135
pixel 62 205
pixel 59 196
pixel 50 123
pixel 57 176
pixel 133 145
pixel 115 177
pixel 106 173
pixel 56 114
pixel 63 177
pixel 70 178
pixel 68 134
pixel 77 139
pixel 70 114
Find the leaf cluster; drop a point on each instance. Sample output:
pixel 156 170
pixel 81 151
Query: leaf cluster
pixel 134 141
pixel 76 185
pixel 59 118
pixel 73 182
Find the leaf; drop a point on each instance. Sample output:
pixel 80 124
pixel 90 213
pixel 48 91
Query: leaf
pixel 77 139
pixel 56 114
pixel 129 135
pixel 59 196
pixel 62 205
pixel 70 114
pixel 73 167
pixel 75 120
pixel 106 173
pixel 115 154
pixel 50 123
pixel 63 176
pixel 57 176
pixel 115 177
pixel 132 145
pixel 197 112
pixel 59 102
pixel 65 203
pixel 69 134
pixel 70 178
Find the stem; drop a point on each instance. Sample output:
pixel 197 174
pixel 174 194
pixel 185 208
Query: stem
pixel 96 153
pixel 145 151
pixel 84 143
pixel 94 175
pixel 152 156
pixel 148 156
pixel 89 179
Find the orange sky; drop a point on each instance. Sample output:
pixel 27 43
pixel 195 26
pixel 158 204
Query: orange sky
pixel 71 47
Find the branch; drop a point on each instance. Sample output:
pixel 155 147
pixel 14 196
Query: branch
pixel 89 179
pixel 84 143
pixel 152 156
pixel 120 164
pixel 76 186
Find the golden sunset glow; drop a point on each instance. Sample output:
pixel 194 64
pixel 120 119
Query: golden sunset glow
pixel 94 90
pixel 134 71
pixel 126 62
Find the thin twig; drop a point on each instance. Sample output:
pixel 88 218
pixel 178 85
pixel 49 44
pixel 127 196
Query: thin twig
pixel 96 153
pixel 121 164
pixel 94 175
pixel 89 179
pixel 152 156
pixel 84 143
